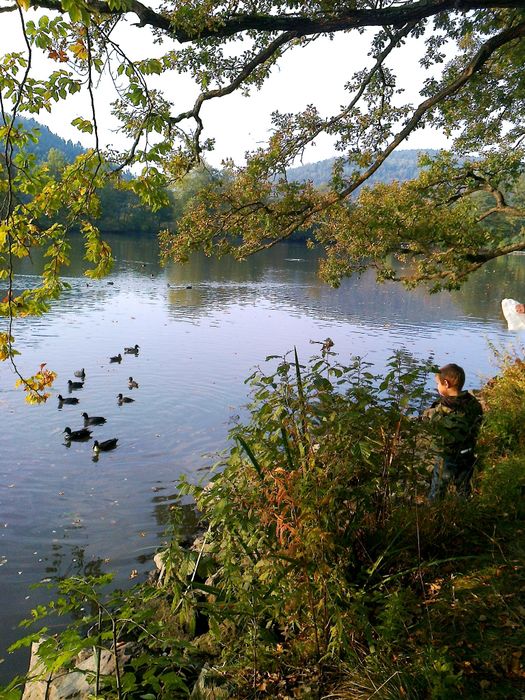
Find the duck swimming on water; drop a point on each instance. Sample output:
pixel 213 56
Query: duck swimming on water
pixel 67 400
pixel 132 383
pixel 124 399
pixel 74 385
pixel 92 420
pixel 132 351
pixel 105 445
pixel 82 434
pixel 116 358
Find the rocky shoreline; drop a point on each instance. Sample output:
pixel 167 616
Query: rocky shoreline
pixel 80 682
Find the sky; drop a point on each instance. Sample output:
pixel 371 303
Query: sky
pixel 312 75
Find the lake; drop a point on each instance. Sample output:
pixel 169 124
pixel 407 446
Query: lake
pixel 201 329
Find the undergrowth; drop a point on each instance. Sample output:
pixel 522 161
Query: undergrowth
pixel 321 570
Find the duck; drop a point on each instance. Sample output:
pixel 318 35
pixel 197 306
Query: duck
pixel 92 420
pixel 124 399
pixel 105 445
pixel 68 400
pixel 82 434
pixel 132 383
pixel 116 358
pixel 80 373
pixel 132 351
pixel 74 385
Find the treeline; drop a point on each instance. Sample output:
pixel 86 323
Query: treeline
pixel 401 165
pixel 48 141
pixel 121 210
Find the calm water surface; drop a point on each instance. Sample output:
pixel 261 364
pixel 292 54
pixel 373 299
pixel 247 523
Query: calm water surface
pixel 61 513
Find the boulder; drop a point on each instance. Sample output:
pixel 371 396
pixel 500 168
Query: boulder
pixel 69 685
pixel 206 687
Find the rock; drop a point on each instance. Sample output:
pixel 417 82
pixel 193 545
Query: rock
pixel 206 689
pixel 69 685
pixel 160 566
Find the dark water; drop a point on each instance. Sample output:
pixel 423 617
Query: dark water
pixel 61 513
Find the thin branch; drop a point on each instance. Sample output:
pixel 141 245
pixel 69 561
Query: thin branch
pixel 506 210
pixel 473 67
pixel 325 125
pixel 140 131
pixel 92 101
pixel 8 155
pixel 260 58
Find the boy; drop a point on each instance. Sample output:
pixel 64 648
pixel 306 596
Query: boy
pixel 457 415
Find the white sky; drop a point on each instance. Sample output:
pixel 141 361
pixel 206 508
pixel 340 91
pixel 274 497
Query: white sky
pixel 312 75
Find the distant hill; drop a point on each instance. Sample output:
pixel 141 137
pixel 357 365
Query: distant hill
pixel 120 210
pixel 400 165
pixel 47 140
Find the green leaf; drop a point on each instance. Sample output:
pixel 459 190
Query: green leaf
pixel 251 457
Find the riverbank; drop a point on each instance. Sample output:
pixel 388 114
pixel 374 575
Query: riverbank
pixel 323 572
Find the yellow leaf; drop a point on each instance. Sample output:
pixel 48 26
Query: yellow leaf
pixel 79 49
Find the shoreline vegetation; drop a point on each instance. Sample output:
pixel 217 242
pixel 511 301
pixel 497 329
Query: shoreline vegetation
pixel 320 569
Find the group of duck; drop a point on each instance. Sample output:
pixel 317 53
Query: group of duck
pixel 83 434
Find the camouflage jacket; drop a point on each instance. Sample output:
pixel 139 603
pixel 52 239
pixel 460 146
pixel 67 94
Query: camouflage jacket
pixel 457 420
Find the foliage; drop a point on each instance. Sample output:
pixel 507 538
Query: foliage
pixel 434 225
pixel 475 97
pixel 36 386
pixel 504 397
pixel 109 620
pixel 320 571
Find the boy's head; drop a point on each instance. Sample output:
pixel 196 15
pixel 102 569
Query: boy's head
pixel 450 380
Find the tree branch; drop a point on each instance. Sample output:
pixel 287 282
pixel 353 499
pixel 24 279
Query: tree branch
pixel 333 121
pixel 303 25
pixel 475 65
pixel 505 209
pixel 244 74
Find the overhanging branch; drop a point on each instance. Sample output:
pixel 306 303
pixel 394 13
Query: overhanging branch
pixel 226 26
pixel 258 60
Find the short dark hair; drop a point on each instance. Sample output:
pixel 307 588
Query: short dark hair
pixel 454 374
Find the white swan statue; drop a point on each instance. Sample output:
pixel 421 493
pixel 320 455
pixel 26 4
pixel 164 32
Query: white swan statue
pixel 515 320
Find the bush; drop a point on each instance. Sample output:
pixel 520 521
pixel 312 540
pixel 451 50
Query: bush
pixel 321 570
pixel 297 516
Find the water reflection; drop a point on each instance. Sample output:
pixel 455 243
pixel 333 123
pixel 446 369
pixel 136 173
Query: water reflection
pixel 199 338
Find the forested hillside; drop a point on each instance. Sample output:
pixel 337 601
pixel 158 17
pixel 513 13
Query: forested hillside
pixel 48 140
pixel 401 165
pixel 121 210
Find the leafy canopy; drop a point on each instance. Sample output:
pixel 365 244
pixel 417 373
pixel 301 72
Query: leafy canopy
pixel 464 209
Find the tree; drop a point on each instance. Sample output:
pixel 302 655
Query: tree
pixel 436 226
